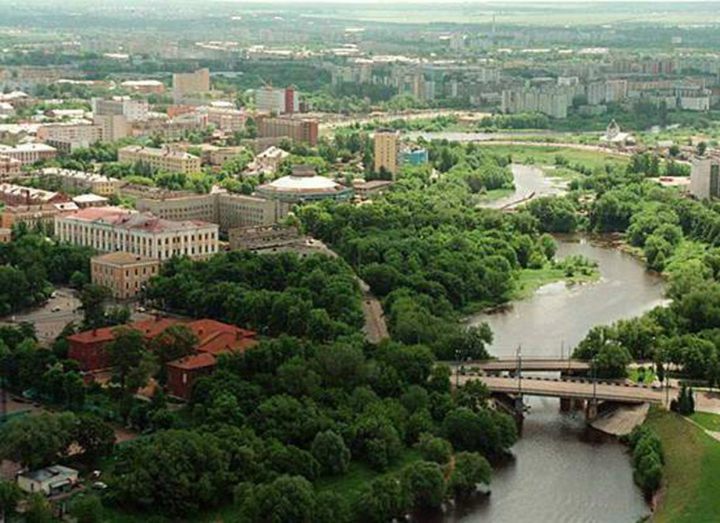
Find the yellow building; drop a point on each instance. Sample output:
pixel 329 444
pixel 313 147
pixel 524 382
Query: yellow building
pixel 167 160
pixel 387 145
pixel 125 274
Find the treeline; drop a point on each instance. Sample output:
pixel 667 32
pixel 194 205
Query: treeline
pixel 314 296
pixel 30 265
pixel 429 252
pixel 278 428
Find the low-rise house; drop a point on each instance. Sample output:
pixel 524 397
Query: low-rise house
pixel 49 481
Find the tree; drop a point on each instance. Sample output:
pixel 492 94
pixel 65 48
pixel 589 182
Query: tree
pixel 87 509
pixel 126 352
pixel 175 472
pixel 96 437
pixel 332 507
pixel 425 484
pixel 38 510
pixel 288 499
pixel 489 432
pixel 9 497
pixel 93 298
pixel 471 469
pixel 434 449
pixel 38 440
pixel 330 451
pixel 383 500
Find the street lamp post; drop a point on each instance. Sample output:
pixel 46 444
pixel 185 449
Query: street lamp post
pixel 594 377
pixel 519 368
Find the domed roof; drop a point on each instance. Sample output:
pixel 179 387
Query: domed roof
pixel 295 183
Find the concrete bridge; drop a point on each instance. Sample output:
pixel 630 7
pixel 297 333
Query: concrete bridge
pixel 578 394
pixel 530 365
pixel 572 389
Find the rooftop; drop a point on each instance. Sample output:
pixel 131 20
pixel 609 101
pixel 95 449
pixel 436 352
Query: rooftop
pixel 151 151
pixel 132 220
pixel 122 258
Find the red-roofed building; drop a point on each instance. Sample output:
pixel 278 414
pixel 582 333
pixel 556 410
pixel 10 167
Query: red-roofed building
pixel 214 337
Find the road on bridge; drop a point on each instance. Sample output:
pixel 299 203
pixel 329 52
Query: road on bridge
pixel 575 389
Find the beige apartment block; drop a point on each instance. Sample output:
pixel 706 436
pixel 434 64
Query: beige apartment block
pixel 387 144
pixel 124 273
pixel 161 159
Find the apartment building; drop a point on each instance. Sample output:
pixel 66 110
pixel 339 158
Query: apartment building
pixel 173 128
pixel 125 274
pixel 705 178
pixel 109 229
pixel 277 101
pixel 67 137
pixel 34 216
pixel 225 119
pixel 80 181
pixel 161 159
pixel 113 126
pixel 9 168
pixel 553 102
pixel 11 194
pixel 185 84
pixel 133 110
pixel 387 146
pixel 226 209
pixel 29 153
pixel 296 129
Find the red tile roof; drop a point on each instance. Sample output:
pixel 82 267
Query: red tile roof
pixel 149 328
pixel 194 361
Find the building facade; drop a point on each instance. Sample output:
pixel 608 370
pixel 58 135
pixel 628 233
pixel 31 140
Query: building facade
pixel 386 145
pixel 277 101
pixel 296 129
pixel 123 273
pixel 167 160
pixel 29 153
pixel 9 168
pixel 705 178
pixel 80 181
pixel 109 229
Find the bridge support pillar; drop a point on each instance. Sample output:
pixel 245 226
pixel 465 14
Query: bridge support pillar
pixel 591 410
pixel 565 404
pixel 578 404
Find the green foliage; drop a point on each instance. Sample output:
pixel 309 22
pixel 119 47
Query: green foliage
pixel 434 449
pixel 87 509
pixel 384 499
pixel 470 470
pixel 425 484
pixel 330 451
pixel 648 459
pixel 315 296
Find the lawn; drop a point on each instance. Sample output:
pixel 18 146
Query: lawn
pixel 530 280
pixel 691 479
pixel 707 420
pixel 545 154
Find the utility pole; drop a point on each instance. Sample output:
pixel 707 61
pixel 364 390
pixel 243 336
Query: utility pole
pixel 519 368
pixel 594 377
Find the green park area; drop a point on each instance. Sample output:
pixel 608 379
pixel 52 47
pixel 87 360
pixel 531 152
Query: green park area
pixel 692 461
pixel 547 154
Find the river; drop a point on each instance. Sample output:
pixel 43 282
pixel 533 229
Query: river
pixel 530 182
pixel 562 471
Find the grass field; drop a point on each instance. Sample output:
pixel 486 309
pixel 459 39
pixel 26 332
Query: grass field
pixel 545 154
pixel 530 280
pixel 707 420
pixel 691 478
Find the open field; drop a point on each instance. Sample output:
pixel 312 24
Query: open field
pixel 691 481
pixel 545 154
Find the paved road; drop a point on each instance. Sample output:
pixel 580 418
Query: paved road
pixel 576 389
